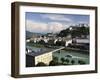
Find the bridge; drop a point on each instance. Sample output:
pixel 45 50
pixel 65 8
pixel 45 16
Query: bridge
pixel 41 51
pixel 58 49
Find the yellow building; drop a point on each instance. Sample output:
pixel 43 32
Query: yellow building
pixel 45 58
pixel 33 58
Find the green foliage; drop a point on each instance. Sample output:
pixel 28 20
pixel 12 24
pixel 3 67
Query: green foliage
pixel 72 61
pixel 53 63
pixel 63 60
pixel 60 43
pixel 41 64
pixel 41 42
pixel 81 62
pixel 55 59
pixel 51 42
pixel 79 31
pixel 64 33
pixel 67 60
pixel 75 32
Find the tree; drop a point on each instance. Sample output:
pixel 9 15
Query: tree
pixel 64 33
pixel 53 63
pixel 67 60
pixel 60 43
pixel 42 42
pixel 41 64
pixel 62 60
pixel 77 31
pixel 51 42
pixel 73 62
pixel 55 59
pixel 81 62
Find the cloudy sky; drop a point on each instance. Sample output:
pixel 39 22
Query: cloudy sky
pixel 47 22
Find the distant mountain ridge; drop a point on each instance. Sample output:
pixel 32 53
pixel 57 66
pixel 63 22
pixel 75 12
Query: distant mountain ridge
pixel 30 34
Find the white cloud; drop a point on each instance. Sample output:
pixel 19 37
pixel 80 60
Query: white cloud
pixel 35 26
pixel 56 17
pixel 43 27
pixel 55 26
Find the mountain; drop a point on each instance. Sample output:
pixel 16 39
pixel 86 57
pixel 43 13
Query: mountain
pixel 76 31
pixel 29 34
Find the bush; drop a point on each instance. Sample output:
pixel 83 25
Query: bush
pixel 81 62
pixel 67 60
pixel 53 63
pixel 41 64
pixel 62 60
pixel 41 42
pixel 55 59
pixel 73 62
pixel 60 43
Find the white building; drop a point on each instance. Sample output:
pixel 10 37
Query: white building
pixel 82 41
pixel 28 40
pixel 68 42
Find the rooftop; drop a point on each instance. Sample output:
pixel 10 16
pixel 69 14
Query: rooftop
pixel 40 52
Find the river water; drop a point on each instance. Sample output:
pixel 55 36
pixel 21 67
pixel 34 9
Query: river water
pixel 74 55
